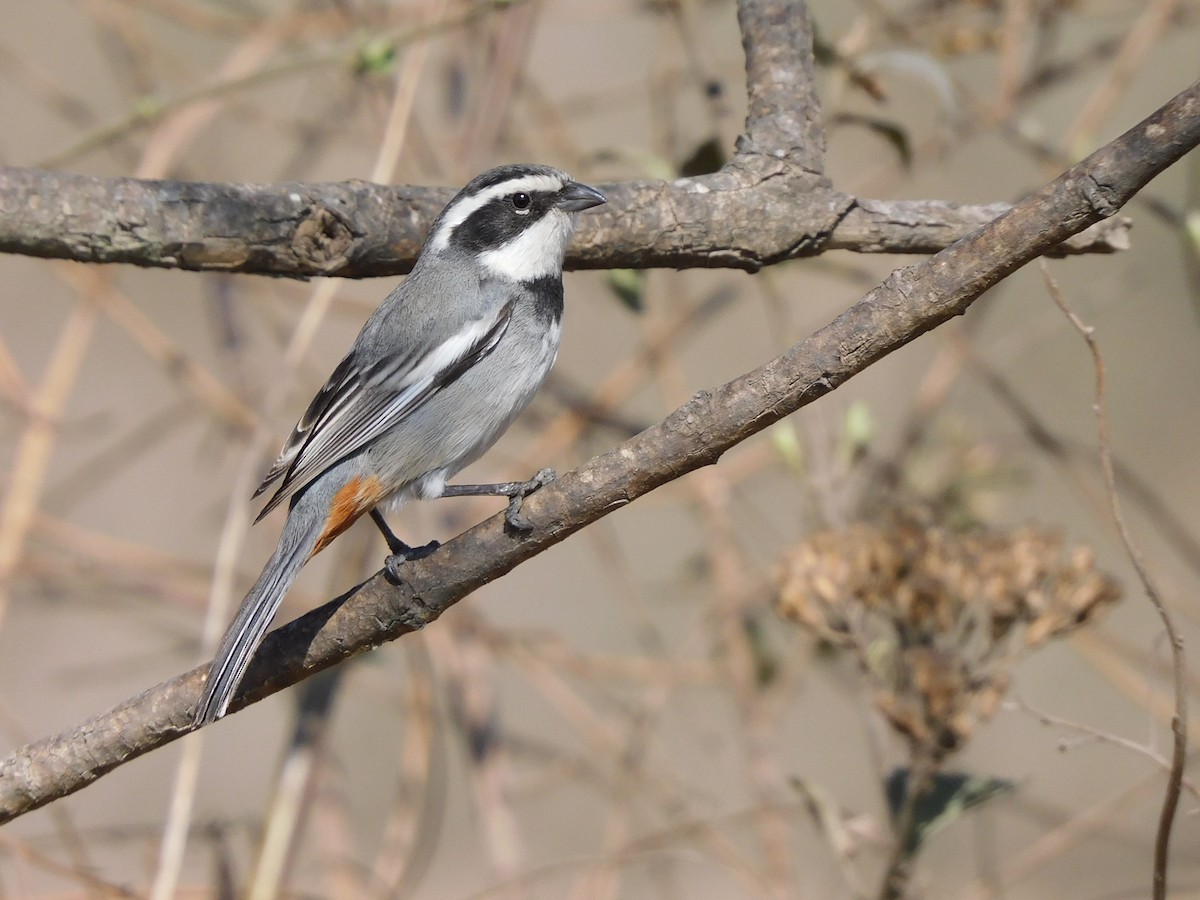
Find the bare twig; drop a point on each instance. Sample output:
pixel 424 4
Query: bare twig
pixel 339 55
pixel 28 476
pixel 1095 734
pixel 414 825
pixel 1162 840
pixel 1054 844
pixel 176 362
pixel 92 884
pixel 1142 38
pixel 920 780
pixel 1066 453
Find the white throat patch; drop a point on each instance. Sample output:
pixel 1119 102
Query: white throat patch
pixel 535 252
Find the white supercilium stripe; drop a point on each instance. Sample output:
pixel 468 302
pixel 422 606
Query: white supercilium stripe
pixel 462 209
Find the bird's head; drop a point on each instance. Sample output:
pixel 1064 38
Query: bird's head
pixel 514 220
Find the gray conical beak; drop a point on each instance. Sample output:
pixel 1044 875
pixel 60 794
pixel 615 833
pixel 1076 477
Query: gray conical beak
pixel 575 197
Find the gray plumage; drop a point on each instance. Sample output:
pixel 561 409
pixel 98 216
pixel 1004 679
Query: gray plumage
pixel 438 372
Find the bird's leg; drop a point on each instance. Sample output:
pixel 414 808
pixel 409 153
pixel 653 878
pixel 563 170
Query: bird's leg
pixel 397 546
pixel 515 491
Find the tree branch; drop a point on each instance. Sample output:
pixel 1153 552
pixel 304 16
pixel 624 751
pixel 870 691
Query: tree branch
pixel 910 302
pixel 784 112
pixel 770 203
pixel 353 229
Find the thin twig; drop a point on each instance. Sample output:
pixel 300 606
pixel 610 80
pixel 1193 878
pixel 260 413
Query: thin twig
pixel 87 881
pixel 1142 38
pixel 1162 839
pixel 27 477
pixel 339 55
pixel 922 768
pixel 414 825
pixel 176 363
pixel 1053 845
pixel 1104 737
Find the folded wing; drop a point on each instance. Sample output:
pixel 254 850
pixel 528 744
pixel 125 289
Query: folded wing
pixel 360 402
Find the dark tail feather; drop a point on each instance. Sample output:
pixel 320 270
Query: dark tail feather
pixel 253 617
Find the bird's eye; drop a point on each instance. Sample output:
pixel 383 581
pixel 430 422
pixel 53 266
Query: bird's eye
pixel 521 201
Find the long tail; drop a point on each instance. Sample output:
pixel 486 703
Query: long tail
pixel 245 633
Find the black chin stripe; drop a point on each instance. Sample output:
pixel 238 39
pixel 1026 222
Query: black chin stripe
pixel 547 294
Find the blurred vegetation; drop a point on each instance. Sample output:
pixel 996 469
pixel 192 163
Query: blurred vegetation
pixel 808 671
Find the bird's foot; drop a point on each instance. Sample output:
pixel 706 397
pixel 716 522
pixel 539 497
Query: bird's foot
pixel 404 554
pixel 521 490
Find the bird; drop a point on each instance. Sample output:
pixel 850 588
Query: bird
pixel 439 371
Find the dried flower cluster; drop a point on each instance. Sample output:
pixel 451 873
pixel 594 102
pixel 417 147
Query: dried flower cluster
pixel 937 617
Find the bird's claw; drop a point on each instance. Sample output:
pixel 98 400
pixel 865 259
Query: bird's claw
pixel 393 563
pixel 512 515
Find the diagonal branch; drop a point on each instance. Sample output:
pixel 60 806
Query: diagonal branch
pixel 910 302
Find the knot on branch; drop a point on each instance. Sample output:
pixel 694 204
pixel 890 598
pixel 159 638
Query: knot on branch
pixel 322 241
pixel 1100 197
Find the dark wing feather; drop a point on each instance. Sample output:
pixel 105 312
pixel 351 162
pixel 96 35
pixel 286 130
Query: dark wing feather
pixel 343 381
pixel 358 403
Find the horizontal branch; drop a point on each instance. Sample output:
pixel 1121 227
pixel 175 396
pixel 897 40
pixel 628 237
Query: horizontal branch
pixel 354 229
pixel 910 302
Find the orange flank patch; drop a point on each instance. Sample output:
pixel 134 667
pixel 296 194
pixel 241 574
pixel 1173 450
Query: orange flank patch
pixel 355 498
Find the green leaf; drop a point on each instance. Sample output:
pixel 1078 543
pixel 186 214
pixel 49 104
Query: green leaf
pixel 824 51
pixel 766 662
pixel 787 445
pixel 148 106
pixel 376 57
pixel 629 285
pixel 858 429
pixel 950 795
pixel 1191 227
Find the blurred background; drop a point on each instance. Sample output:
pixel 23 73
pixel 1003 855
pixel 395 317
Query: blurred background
pixel 654 708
